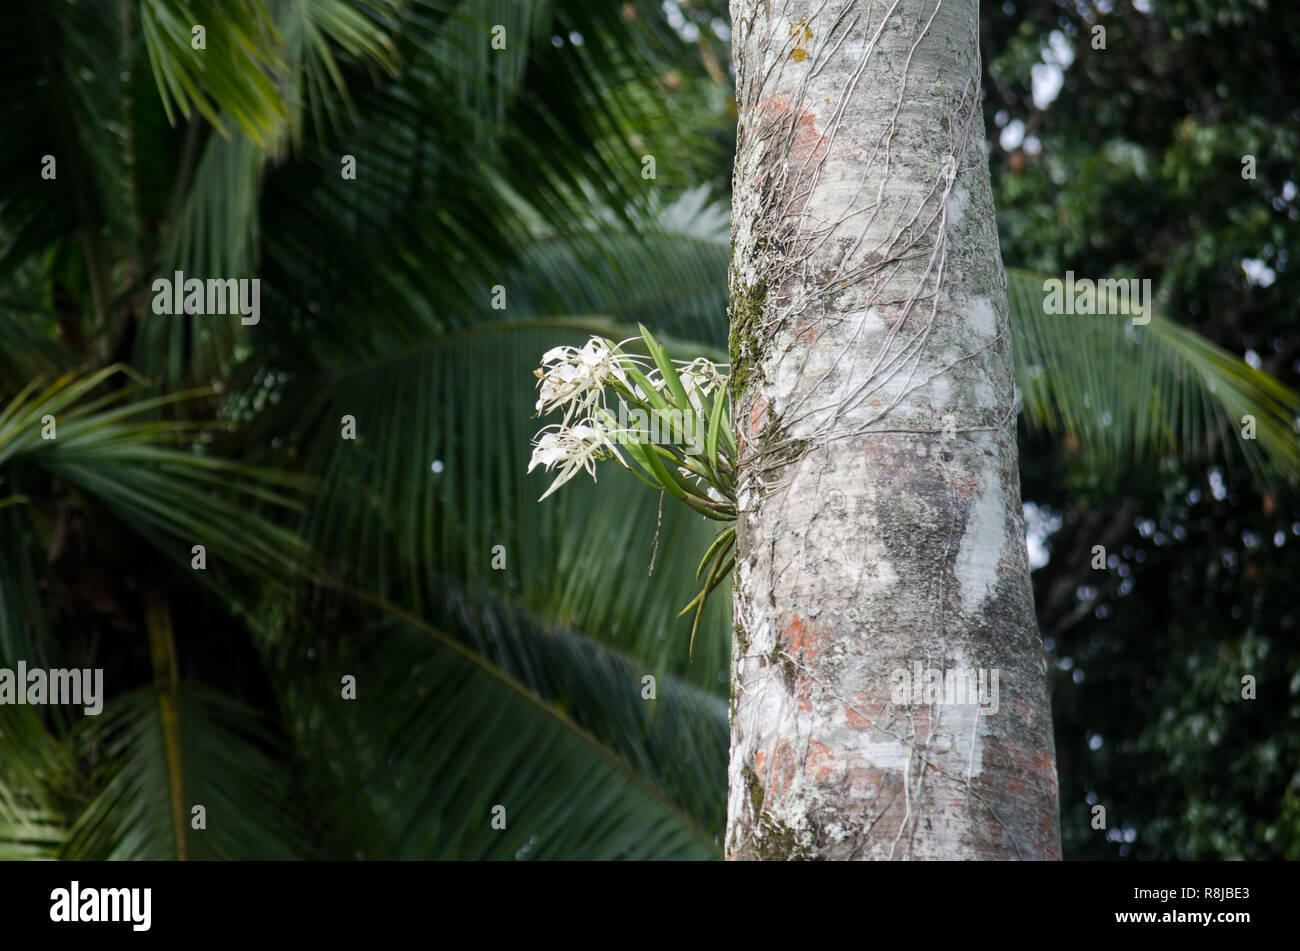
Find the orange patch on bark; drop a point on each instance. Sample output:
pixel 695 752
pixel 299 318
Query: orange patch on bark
pixel 803 694
pixel 807 144
pixel 821 764
pixel 805 329
pixel 784 767
pixel 803 639
pixel 965 486
pixel 889 465
pixel 1020 773
pixel 918 720
pixel 864 714
pixel 756 417
pixel 856 720
pixel 1042 763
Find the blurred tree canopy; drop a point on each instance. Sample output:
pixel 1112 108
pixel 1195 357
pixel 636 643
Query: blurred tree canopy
pixel 1135 167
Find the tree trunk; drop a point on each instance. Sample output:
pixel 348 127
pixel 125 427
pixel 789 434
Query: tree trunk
pixel 880 533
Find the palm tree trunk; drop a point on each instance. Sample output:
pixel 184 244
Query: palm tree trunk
pixel 880 535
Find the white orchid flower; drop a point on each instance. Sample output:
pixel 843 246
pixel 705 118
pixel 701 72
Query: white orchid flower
pixel 702 375
pixel 572 449
pixel 573 379
pixel 580 382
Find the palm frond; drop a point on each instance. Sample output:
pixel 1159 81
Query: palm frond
pixel 113 451
pixel 232 78
pixel 669 734
pixel 233 767
pixel 436 742
pixel 1123 392
pixel 36 767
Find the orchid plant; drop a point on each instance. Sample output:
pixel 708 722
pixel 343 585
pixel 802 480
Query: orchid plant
pixel 666 421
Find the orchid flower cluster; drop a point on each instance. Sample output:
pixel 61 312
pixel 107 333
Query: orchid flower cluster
pixel 666 421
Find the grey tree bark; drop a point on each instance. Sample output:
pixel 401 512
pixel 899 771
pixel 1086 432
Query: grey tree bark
pixel 881 560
